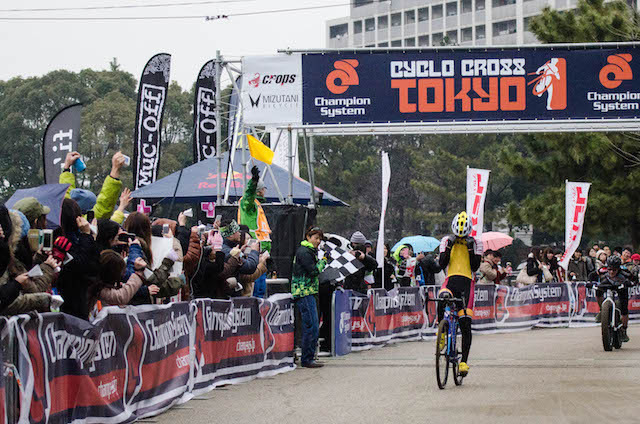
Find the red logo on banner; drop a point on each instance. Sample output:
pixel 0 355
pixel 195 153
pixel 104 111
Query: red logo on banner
pixel 345 72
pixel 581 206
pixel 618 68
pixel 143 208
pixel 552 79
pixel 255 82
pixel 475 212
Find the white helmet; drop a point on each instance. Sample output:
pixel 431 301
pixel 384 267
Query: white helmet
pixel 461 225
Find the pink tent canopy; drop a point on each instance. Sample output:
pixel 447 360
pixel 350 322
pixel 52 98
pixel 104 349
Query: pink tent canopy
pixel 494 240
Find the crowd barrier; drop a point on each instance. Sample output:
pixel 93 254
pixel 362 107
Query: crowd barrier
pixel 402 314
pixel 134 362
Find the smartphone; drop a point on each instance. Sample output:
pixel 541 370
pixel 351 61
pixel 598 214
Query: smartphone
pixel 127 160
pixel 218 219
pixel 165 229
pixel 47 240
pixel 90 215
pixel 125 237
pixel 252 241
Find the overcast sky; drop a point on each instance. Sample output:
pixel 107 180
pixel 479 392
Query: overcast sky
pixel 31 48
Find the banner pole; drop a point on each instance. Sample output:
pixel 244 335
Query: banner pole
pixel 308 157
pixel 218 124
pixel 290 155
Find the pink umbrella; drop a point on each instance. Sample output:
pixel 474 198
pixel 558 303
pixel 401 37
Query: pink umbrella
pixel 494 240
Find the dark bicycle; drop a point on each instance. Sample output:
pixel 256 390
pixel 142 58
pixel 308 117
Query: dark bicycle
pixel 610 317
pixel 447 352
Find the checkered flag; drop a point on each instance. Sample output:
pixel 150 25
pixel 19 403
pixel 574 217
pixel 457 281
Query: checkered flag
pixel 338 260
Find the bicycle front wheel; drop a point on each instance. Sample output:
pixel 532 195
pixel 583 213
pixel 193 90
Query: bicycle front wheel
pixel 442 359
pixel 607 330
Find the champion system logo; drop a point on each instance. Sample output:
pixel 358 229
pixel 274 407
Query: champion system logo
pixel 616 70
pixel 344 72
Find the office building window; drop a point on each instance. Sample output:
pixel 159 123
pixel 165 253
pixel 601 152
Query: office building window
pixel 396 19
pixel 436 12
pixel 423 14
pixel 370 25
pixel 357 27
pixel 479 5
pixel 527 23
pixel 370 45
pixel 452 8
pixel 410 17
pixel 499 3
pixel 423 41
pixel 396 43
pixel 385 44
pixel 467 6
pixel 480 32
pixel 436 39
pixel 358 3
pixel 452 37
pixel 409 42
pixel 467 34
pixel 383 22
pixel 338 31
pixel 504 27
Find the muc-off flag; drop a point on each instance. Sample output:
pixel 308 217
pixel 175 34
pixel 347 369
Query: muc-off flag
pixel 575 208
pixel 152 95
pixel 204 114
pixel 60 138
pixel 477 183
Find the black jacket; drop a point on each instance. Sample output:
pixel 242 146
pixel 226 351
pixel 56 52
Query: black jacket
pixel 77 275
pixel 428 267
pixel 206 280
pixel 8 293
pixel 389 271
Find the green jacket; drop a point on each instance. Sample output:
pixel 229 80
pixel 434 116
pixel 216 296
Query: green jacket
pixel 249 212
pixel 106 201
pixel 306 269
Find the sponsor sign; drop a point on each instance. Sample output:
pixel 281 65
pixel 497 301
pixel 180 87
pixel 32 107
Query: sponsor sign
pixel 489 85
pixel 152 95
pixel 205 124
pixel 272 89
pixel 575 207
pixel 477 182
pixel 341 309
pixel 60 138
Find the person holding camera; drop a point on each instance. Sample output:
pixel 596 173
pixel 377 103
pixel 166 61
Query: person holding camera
pixel 356 281
pixel 232 237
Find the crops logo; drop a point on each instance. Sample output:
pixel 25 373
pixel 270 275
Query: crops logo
pixel 255 82
pixel 616 70
pixel 551 78
pixel 345 72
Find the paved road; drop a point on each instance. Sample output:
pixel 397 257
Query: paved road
pixel 540 376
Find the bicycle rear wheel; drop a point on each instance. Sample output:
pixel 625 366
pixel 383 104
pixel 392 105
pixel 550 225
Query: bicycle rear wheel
pixel 442 359
pixel 605 323
pixel 457 377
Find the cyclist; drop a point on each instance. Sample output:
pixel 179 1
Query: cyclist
pixel 459 256
pixel 616 275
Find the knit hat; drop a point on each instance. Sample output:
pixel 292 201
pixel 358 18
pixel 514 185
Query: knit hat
pixel 260 185
pixel 358 238
pixel 599 253
pixel 31 208
pixel 24 229
pixel 230 229
pixel 85 199
pixel 635 257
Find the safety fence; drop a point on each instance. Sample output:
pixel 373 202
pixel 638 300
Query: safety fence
pixel 402 314
pixel 136 362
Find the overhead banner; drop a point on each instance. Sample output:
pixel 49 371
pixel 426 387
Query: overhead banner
pixel 477 183
pixel 60 138
pixel 152 95
pixel 575 207
pixel 204 114
pixel 491 85
pixel 272 89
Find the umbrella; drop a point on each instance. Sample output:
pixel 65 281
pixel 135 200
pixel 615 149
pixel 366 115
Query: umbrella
pixel 50 195
pixel 494 240
pixel 419 243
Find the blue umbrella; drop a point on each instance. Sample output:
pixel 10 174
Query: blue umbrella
pixel 419 243
pixel 50 195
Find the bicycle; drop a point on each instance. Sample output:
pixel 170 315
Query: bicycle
pixel 610 318
pixel 448 354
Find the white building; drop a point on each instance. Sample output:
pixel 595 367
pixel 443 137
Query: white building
pixel 411 23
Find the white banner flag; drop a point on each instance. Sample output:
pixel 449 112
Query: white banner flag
pixel 386 178
pixel 477 183
pixel 272 89
pixel 575 208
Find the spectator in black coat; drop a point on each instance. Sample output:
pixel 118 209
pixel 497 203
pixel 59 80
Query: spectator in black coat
pixel 389 271
pixel 426 268
pixel 356 281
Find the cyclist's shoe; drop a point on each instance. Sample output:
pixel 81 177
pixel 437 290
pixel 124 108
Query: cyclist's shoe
pixel 624 336
pixel 598 317
pixel 442 341
pixel 463 369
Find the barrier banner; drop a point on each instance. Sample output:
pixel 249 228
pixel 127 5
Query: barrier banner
pixel 61 137
pixel 152 96
pixel 489 84
pixel 204 114
pixel 360 328
pixel 341 310
pixel 135 362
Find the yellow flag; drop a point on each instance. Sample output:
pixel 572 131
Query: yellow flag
pixel 259 151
